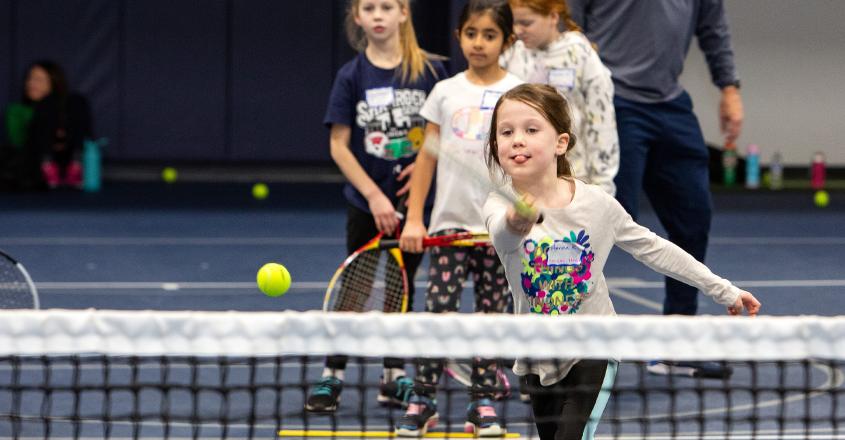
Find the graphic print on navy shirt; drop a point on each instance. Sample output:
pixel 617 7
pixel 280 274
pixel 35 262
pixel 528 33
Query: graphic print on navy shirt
pixel 555 273
pixel 390 118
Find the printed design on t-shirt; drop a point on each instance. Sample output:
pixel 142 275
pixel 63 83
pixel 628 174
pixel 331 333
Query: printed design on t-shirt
pixel 395 130
pixel 471 123
pixel 555 273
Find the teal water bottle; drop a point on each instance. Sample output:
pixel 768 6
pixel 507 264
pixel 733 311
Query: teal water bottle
pixel 752 167
pixel 91 166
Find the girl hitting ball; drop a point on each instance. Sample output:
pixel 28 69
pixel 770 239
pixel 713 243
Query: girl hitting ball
pixel 556 267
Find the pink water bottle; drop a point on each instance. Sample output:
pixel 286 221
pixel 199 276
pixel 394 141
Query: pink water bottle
pixel 817 172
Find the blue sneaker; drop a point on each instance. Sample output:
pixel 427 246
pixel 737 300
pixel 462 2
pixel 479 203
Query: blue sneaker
pixel 325 395
pixel 396 393
pixel 419 418
pixel 704 370
pixel 482 419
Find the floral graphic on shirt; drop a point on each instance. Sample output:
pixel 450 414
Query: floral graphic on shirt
pixel 555 273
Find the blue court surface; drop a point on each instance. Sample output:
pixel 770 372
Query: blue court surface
pixel 192 246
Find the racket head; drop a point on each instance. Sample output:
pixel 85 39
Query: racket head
pixel 17 291
pixel 370 279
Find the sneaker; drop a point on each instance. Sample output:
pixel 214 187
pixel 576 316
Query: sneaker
pixel 419 418
pixel 325 395
pixel 73 176
pixel 704 370
pixel 396 393
pixel 482 420
pixel 461 372
pixel 51 173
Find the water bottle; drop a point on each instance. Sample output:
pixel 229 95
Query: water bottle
pixel 91 162
pixel 729 164
pixel 817 171
pixel 776 172
pixel 752 167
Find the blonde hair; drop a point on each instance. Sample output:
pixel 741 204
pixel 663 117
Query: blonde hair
pixel 546 7
pixel 414 59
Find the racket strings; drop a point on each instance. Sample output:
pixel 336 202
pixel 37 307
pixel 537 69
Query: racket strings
pixel 374 280
pixel 14 287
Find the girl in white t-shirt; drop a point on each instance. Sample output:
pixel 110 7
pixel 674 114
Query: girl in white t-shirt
pixel 567 61
pixel 555 268
pixel 458 112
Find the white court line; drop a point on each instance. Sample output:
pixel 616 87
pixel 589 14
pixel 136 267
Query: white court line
pixel 338 240
pixel 617 286
pixel 171 241
pixel 636 299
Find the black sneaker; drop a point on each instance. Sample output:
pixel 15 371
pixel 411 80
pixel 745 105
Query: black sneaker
pixel 325 395
pixel 396 393
pixel 704 370
pixel 482 419
pixel 419 418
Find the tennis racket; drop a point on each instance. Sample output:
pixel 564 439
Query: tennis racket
pixel 373 277
pixel 17 291
pixel 432 146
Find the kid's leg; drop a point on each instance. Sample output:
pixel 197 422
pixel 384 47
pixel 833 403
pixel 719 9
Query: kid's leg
pixel 571 409
pixel 325 393
pixel 447 274
pixel 491 296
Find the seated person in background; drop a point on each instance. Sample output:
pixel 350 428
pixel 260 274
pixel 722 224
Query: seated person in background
pixel 45 132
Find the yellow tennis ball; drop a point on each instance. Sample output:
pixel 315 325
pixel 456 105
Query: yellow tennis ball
pixel 260 191
pixel 273 279
pixel 169 174
pixel 821 198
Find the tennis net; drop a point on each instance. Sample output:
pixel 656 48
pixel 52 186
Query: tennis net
pixel 117 374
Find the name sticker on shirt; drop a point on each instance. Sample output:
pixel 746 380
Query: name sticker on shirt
pixel 380 97
pixel 563 253
pixel 562 78
pixel 488 100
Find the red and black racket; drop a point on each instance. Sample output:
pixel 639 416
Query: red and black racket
pixel 373 277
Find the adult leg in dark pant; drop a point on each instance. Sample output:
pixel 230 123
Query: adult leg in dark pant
pixel 569 409
pixel 677 184
pixel 662 150
pixel 638 129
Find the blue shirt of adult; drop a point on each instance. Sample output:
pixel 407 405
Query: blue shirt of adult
pixel 644 42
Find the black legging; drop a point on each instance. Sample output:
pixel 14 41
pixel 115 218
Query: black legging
pixel 562 410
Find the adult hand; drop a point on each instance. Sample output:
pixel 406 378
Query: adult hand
pixel 731 114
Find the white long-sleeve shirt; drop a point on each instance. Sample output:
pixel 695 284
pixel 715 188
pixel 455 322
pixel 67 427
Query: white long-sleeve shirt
pixel 572 66
pixel 558 268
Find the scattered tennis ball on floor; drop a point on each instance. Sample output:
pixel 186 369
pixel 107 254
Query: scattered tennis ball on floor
pixel 260 191
pixel 169 174
pixel 273 279
pixel 821 198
